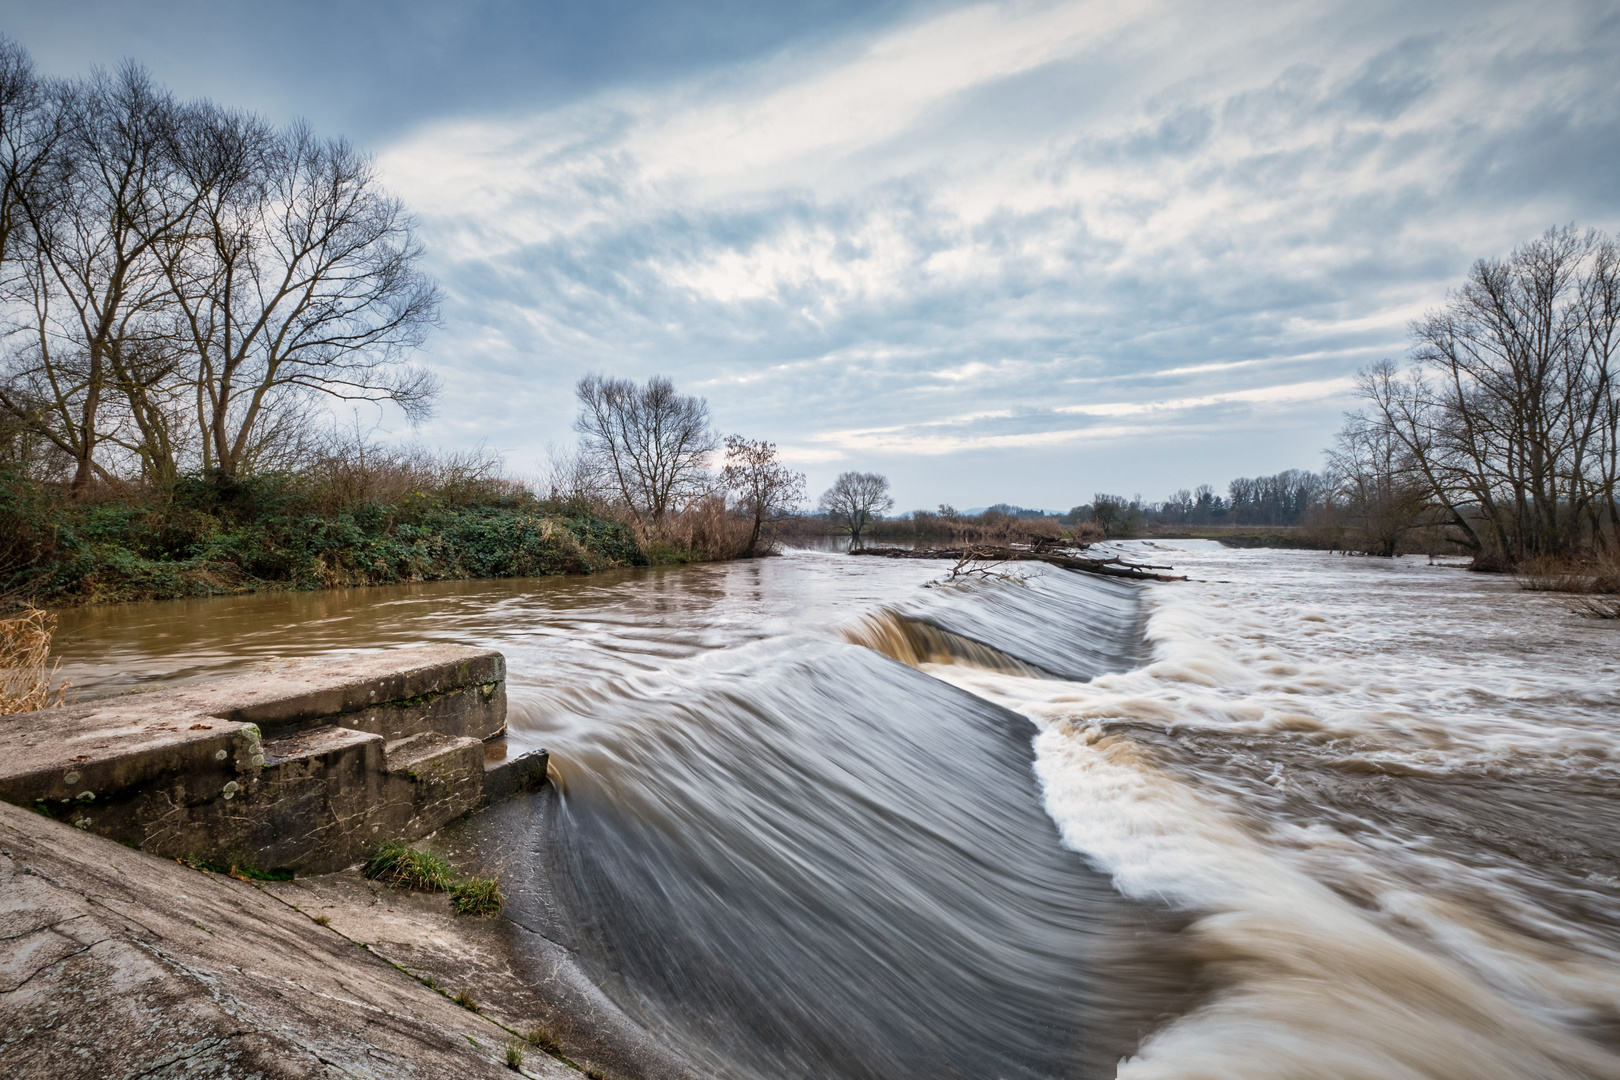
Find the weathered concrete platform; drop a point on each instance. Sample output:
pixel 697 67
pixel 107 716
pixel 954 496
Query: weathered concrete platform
pixel 304 767
pixel 116 965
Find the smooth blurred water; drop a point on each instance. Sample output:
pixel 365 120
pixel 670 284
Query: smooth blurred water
pixel 822 815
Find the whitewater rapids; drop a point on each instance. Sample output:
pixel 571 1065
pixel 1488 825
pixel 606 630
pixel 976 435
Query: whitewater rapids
pixel 1385 792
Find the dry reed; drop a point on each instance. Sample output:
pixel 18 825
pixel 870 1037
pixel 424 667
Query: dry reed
pixel 27 672
pixel 1595 576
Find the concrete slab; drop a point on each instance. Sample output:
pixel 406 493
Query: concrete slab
pixel 116 965
pixel 280 768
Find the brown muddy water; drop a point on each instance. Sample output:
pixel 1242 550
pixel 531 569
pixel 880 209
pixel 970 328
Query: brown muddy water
pixel 1304 816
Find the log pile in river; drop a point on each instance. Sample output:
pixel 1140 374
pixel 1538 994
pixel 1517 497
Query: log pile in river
pixel 965 557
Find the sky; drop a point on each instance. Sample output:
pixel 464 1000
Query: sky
pixel 1019 252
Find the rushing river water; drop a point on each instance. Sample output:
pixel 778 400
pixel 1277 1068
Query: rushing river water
pixel 1302 816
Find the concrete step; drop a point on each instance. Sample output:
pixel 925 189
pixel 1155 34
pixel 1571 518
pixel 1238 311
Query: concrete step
pixel 316 745
pixel 309 766
pixel 506 774
pixel 421 755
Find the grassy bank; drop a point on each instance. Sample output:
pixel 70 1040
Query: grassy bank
pixel 209 537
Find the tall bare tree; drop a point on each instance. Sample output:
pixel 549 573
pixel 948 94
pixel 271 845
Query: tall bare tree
pixel 650 443
pixel 854 501
pixel 29 130
pixel 1376 486
pixel 765 489
pixel 1509 413
pixel 297 276
pixel 180 283
pixel 99 333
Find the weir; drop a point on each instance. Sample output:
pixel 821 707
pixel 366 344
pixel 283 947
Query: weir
pixel 305 767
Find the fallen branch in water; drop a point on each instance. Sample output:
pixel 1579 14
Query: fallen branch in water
pixel 974 561
pixel 1110 567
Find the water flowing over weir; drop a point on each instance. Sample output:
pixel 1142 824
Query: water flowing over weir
pixel 1301 816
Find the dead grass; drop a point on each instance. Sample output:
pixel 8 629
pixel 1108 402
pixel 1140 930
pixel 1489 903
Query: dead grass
pixel 1550 575
pixel 27 673
pixel 702 531
pixel 1594 581
pixel 1598 575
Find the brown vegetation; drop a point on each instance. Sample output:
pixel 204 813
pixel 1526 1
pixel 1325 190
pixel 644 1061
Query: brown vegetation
pixel 27 674
pixel 766 491
pixel 1595 583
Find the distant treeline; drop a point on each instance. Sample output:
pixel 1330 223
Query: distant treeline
pixel 1499 437
pixel 1291 498
pixel 1286 498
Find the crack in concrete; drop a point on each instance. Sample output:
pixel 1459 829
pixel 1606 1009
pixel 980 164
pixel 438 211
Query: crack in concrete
pixel 213 1044
pixel 60 960
pixel 40 929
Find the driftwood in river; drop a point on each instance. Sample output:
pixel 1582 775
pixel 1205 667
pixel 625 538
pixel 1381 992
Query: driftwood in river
pixel 1110 567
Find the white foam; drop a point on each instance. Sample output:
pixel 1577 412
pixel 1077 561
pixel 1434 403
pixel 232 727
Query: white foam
pixel 1336 955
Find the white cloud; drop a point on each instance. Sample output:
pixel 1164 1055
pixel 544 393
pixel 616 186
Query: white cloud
pixel 975 214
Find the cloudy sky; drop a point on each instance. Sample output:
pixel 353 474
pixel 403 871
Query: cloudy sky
pixel 1020 252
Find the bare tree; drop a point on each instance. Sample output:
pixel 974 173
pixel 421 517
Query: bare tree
pixel 765 489
pixel 98 335
pixel 854 501
pixel 1509 413
pixel 568 476
pixel 180 283
pixel 650 444
pixel 30 129
pixel 297 276
pixel 1376 485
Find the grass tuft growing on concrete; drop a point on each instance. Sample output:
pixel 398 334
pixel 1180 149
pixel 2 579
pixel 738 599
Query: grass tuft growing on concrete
pixel 477 896
pixel 514 1054
pixel 410 868
pixel 465 1000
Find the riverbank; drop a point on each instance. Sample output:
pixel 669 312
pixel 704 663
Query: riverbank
pixel 210 538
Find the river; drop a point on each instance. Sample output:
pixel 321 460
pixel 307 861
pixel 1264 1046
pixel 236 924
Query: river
pixel 821 816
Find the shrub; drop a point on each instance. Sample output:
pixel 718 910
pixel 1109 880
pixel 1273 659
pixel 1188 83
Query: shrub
pixel 1599 575
pixel 211 537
